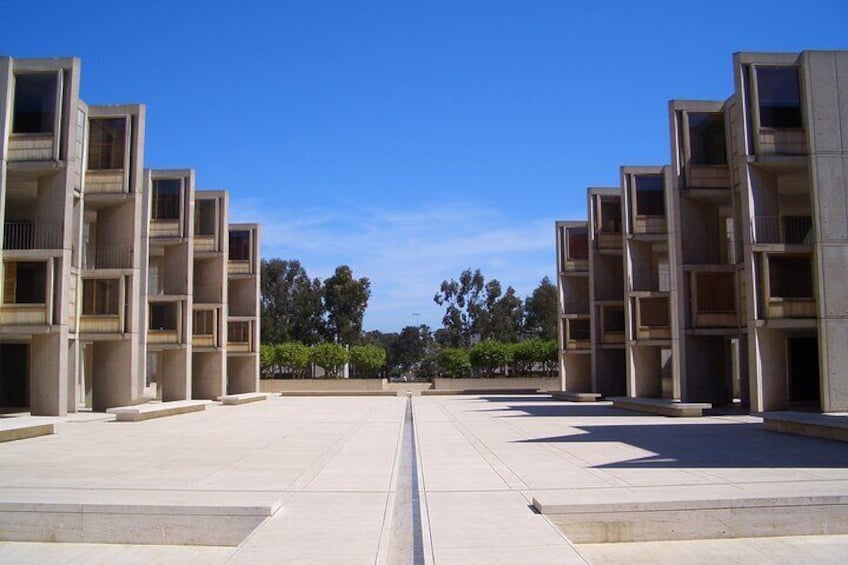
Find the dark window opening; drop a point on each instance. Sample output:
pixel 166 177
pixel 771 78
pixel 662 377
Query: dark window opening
pixel 653 312
pixel 35 103
pixel 716 292
pixel 578 244
pixel 650 200
pixel 163 317
pixel 238 332
pixel 166 199
pixel 204 217
pixel 25 283
pixel 780 97
pixel 610 217
pixel 203 322
pixel 706 139
pixel 613 320
pixel 100 297
pixel 791 276
pixel 578 330
pixel 106 144
pixel 239 246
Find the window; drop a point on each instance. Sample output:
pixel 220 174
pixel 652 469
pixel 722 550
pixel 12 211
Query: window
pixel 166 199
pixel 706 139
pixel 650 200
pixel 25 283
pixel 578 330
pixel 238 332
pixel 791 276
pixel 653 312
pixel 716 292
pixel 578 244
pixel 163 317
pixel 613 320
pixel 204 217
pixel 203 322
pixel 100 297
pixel 35 103
pixel 779 96
pixel 610 217
pixel 106 143
pixel 239 246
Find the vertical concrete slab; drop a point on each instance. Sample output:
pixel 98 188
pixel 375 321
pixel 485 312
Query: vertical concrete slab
pixel 49 374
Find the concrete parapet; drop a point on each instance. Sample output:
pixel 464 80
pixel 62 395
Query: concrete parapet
pixel 286 385
pixel 543 384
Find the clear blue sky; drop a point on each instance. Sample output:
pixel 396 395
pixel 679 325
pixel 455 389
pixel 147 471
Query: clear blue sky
pixel 411 139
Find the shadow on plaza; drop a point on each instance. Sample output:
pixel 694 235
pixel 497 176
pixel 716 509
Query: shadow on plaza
pixel 551 408
pixel 702 444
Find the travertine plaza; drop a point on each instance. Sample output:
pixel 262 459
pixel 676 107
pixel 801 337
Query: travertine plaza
pixel 721 276
pixel 120 284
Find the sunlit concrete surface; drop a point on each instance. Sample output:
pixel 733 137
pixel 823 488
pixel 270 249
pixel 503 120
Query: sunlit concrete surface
pixel 316 480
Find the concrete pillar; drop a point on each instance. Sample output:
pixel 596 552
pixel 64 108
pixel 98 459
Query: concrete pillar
pixel 49 374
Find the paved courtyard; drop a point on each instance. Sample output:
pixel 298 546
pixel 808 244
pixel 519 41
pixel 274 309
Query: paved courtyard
pixel 344 480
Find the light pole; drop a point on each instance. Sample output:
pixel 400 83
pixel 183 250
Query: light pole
pixel 417 318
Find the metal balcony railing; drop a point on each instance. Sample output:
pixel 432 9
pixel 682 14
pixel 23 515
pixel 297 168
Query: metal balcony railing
pixel 783 229
pixel 108 257
pixel 29 235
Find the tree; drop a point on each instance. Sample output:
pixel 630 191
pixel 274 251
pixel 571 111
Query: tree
pixel 409 348
pixel 526 354
pixel 329 356
pixel 367 359
pixel 464 303
pixel 267 366
pixel 293 356
pixel 540 311
pixel 504 315
pixel 490 355
pixel 345 301
pixel 454 362
pixel 291 303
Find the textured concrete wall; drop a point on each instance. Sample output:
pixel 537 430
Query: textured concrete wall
pixel 283 385
pixel 540 383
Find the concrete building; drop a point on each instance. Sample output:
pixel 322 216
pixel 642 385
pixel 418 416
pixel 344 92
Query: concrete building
pixel 98 258
pixel 734 255
pixel 575 354
pixel 606 292
pixel 243 292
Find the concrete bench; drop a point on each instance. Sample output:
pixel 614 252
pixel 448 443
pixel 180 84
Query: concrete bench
pixel 24 427
pixel 661 406
pixel 575 396
pixel 826 426
pixel 243 398
pixel 152 410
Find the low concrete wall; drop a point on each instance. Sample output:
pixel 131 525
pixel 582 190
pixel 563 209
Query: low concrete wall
pixel 543 384
pixel 285 385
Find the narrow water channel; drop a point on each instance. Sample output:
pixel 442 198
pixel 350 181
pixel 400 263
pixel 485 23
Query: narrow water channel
pixel 406 543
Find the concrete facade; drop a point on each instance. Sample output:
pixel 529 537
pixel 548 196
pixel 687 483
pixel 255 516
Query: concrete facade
pixel 734 254
pixel 575 355
pixel 98 257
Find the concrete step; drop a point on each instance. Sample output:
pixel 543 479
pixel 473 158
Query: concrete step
pixel 827 426
pixel 152 410
pixel 25 427
pixel 661 406
pixel 697 511
pixel 244 398
pixel 576 396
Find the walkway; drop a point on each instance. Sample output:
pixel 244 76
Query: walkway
pixel 341 478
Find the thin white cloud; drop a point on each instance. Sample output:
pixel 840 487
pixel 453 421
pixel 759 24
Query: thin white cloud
pixel 406 254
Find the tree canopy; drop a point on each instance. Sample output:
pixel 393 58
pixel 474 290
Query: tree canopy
pixel 345 301
pixel 291 303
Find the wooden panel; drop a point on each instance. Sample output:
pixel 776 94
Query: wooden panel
pixel 104 182
pixel 577 265
pixel 701 176
pixel 100 324
pixel 203 340
pixel 783 308
pixel 239 267
pixel 160 336
pixel 19 314
pixel 204 243
pixel 653 333
pixel 649 224
pixel 715 319
pixel 782 142
pixel 31 147
pixel 238 347
pixel 577 344
pixel 612 337
pixel 609 240
pixel 164 228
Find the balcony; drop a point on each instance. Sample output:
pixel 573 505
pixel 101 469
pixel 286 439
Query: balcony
pixel 105 182
pixel 774 141
pixel 239 337
pixel 612 325
pixel 577 334
pixel 165 228
pixel 108 257
pixel 608 240
pixel 649 224
pixel 31 147
pixel 576 307
pixel 28 235
pixel 788 230
pixel 205 243
pixel 713 300
pixel 789 288
pixel 163 336
pixel 652 317
pixel 707 176
pixel 789 308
